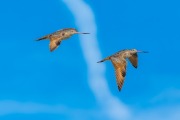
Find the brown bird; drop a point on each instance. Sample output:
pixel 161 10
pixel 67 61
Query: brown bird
pixel 119 62
pixel 57 37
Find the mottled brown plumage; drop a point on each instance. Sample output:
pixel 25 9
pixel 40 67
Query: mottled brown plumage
pixel 57 37
pixel 119 62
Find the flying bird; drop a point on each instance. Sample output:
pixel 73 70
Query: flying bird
pixel 119 62
pixel 57 37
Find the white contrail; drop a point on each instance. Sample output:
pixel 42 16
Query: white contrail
pixel 85 22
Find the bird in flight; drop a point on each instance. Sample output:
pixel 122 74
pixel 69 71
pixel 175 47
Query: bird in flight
pixel 57 37
pixel 119 62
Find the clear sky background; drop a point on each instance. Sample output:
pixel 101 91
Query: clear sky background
pixel 68 84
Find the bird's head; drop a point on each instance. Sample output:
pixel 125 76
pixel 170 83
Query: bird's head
pixel 137 51
pixel 72 31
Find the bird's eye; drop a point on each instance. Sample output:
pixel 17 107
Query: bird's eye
pixel 63 34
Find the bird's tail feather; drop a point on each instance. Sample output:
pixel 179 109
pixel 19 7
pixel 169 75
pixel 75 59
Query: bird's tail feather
pixel 42 38
pixel 107 58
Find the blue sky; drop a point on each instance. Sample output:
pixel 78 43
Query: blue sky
pixel 68 83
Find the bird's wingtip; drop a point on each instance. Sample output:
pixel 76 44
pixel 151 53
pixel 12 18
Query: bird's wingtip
pixel 119 89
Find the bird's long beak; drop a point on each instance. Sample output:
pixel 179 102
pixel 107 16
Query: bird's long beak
pixel 81 33
pixel 139 51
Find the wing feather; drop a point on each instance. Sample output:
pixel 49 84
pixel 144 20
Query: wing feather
pixel 134 60
pixel 55 41
pixel 120 71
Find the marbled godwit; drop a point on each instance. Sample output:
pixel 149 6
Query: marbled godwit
pixel 119 62
pixel 57 37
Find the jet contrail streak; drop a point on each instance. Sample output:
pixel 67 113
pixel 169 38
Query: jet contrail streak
pixel 85 21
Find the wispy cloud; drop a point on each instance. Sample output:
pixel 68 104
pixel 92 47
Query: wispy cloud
pixel 169 95
pixel 12 107
pixel 85 21
pixel 9 107
pixel 158 113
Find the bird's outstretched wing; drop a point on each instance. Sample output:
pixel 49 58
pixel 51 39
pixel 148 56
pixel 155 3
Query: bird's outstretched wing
pixel 120 70
pixel 134 60
pixel 54 42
